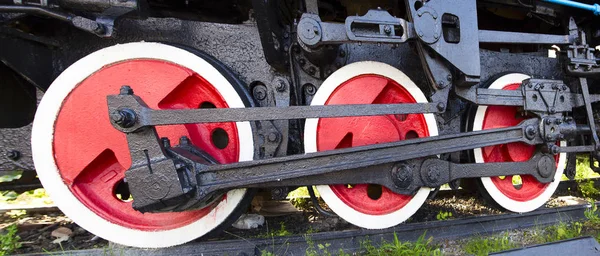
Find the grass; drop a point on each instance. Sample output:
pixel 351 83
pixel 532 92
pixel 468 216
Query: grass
pixel 423 246
pixel 9 242
pixel 484 246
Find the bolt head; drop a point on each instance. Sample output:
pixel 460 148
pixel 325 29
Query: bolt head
pixel 387 29
pixel 433 174
pixel 126 90
pixel 272 137
pixel 184 140
pixel 281 86
pixel 259 92
pixel 441 106
pixel 117 117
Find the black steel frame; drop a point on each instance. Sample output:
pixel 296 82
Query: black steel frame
pixel 447 40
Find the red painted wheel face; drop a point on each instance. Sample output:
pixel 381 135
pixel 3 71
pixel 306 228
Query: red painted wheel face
pixel 335 133
pixel 499 117
pixel 92 156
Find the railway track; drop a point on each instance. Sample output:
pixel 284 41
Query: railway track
pixel 350 240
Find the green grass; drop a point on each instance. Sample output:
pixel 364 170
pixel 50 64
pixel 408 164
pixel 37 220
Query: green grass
pixel 561 231
pixel 423 246
pixel 484 246
pixel 9 242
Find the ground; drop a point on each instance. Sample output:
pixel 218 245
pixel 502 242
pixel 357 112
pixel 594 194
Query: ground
pixel 46 229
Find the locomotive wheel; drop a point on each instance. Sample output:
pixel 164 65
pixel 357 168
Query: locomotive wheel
pixel 514 193
pixel 81 159
pixel 366 205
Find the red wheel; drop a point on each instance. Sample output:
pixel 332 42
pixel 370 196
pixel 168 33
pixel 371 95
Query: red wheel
pixel 365 205
pixel 515 193
pixel 81 159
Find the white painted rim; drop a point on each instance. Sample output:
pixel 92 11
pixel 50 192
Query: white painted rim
pixel 43 131
pixel 310 143
pixel 490 187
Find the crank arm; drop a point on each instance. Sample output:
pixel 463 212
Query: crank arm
pixel 129 113
pixel 228 176
pixel 406 177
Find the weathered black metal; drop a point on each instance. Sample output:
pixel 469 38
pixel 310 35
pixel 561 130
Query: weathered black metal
pixel 150 117
pixel 536 95
pixel 374 164
pixel 488 36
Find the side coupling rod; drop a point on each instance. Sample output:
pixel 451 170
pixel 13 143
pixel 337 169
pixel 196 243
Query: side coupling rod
pixel 161 174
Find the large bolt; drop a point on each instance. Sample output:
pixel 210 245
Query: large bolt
pixel 124 117
pixel 545 166
pixel 259 92
pixel 554 149
pixel 13 155
pixel 126 90
pixel 402 175
pixel 530 132
pixel 433 174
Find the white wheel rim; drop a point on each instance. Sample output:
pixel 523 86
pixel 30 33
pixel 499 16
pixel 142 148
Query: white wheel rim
pixel 499 197
pixel 310 143
pixel 43 131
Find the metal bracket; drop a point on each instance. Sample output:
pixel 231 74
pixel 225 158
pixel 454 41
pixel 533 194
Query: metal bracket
pixel 376 26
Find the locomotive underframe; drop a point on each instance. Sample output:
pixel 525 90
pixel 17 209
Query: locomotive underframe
pixel 451 63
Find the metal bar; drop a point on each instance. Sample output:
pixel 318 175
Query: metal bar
pixel 588 109
pixel 295 166
pixel 491 36
pixel 191 116
pixel 588 7
pixel 576 149
pixel 36 10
